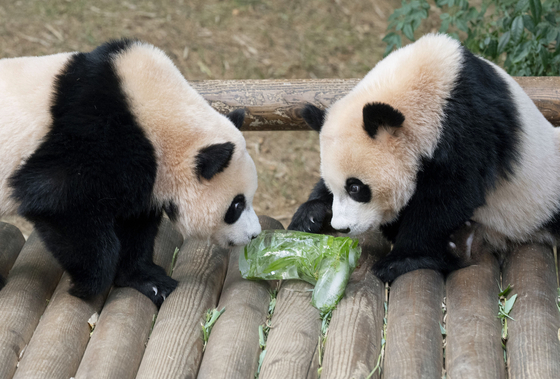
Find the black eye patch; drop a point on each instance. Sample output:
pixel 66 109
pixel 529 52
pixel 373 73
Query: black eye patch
pixel 235 209
pixel 357 190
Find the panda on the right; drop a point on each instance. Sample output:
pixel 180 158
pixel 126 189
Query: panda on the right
pixel 433 137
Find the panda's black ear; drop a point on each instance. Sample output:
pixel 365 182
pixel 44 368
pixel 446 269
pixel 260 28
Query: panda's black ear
pixel 313 116
pixel 213 159
pixel 237 117
pixel 381 114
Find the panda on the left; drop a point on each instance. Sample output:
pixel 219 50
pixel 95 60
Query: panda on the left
pixel 96 146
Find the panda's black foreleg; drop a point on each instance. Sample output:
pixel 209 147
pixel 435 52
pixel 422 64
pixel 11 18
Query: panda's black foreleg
pixel 421 237
pixel 136 267
pixel 86 247
pixel 312 215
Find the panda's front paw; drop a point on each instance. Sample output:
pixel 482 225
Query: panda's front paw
pixel 309 217
pixel 150 280
pixel 159 289
pixel 389 268
pixel 394 265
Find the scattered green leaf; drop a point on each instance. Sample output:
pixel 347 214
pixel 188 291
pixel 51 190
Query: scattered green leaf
pixel 212 316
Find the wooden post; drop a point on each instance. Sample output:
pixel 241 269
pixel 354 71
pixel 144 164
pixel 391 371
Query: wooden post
pixel 291 349
pixel 533 346
pixel 58 343
pixel 233 348
pixel 175 346
pixel 414 341
pixel 30 285
pixel 275 104
pixel 354 337
pixel 474 345
pixel 11 242
pixel 353 341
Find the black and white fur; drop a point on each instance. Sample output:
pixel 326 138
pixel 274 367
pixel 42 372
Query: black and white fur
pixel 96 146
pixel 432 137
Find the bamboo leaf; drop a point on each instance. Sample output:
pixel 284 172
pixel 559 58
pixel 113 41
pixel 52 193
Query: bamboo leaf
pixel 509 304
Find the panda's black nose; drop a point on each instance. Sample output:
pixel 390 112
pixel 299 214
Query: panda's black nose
pixel 345 231
pixel 255 236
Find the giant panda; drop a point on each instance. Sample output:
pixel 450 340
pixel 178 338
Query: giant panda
pixel 96 146
pixel 432 137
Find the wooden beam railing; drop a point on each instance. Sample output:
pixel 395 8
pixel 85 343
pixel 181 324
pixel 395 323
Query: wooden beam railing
pixel 275 104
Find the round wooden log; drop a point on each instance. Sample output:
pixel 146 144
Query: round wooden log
pixel 354 337
pixel 474 345
pixel 11 242
pixel 175 346
pixel 291 348
pixel 545 93
pixel 119 339
pixel 272 104
pixel 276 104
pixel 30 285
pixel 414 341
pixel 59 342
pixel 233 348
pixel 533 346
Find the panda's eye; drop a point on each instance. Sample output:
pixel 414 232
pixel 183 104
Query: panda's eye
pixel 354 188
pixel 235 209
pixel 357 190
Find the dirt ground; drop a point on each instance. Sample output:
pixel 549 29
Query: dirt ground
pixel 211 39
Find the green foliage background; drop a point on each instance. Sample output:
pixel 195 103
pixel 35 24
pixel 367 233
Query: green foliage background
pixel 523 36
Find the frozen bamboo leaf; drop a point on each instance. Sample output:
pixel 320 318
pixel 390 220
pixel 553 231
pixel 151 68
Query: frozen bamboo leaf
pixel 321 260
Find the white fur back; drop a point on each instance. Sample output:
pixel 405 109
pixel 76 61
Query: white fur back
pixel 26 86
pixel 522 204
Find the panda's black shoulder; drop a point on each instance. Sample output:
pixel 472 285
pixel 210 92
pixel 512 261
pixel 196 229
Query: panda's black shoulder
pixel 481 128
pixel 95 149
pixel 89 74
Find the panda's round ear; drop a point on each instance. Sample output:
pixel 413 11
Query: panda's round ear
pixel 237 117
pixel 313 116
pixel 213 159
pixel 381 115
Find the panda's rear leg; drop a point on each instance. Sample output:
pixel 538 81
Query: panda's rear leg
pixel 136 267
pixel 88 249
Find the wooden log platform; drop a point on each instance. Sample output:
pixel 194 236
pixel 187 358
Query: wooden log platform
pixel 422 326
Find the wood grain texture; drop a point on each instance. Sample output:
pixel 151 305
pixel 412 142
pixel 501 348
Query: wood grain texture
pixel 545 93
pixel 233 347
pixel 11 242
pixel 474 345
pixel 175 346
pixel 276 104
pixel 533 346
pixel 414 341
pixel 294 336
pixel 354 337
pixel 30 285
pixel 119 339
pixel 59 342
